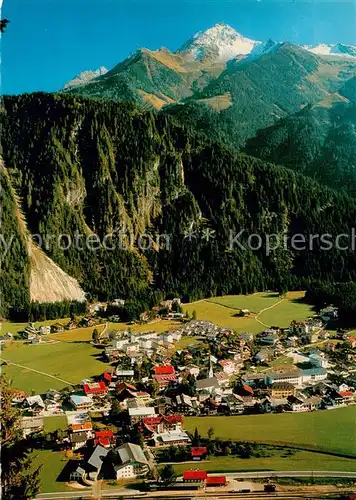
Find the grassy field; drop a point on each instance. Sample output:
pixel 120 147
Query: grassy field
pixel 53 423
pixel 331 431
pixel 7 326
pixel 185 342
pixel 77 335
pixel 71 361
pixel 53 462
pixel 301 460
pixel 223 316
pixel 158 326
pixel 222 310
pixel 284 313
pixel 254 303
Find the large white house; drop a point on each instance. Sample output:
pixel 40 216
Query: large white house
pixel 133 462
pixel 292 377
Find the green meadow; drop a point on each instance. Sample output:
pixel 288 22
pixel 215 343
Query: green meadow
pixel 266 309
pixel 330 431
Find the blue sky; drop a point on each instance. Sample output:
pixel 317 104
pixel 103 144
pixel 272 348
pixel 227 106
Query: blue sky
pixel 48 42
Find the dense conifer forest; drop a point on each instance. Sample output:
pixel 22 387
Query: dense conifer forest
pixel 90 167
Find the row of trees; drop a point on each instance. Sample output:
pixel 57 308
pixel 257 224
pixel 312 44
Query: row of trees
pixel 341 295
pixel 20 473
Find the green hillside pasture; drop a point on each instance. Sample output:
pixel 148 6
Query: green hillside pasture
pixel 69 361
pixel 222 316
pixel 254 303
pixel 280 460
pixel 276 312
pixel 331 431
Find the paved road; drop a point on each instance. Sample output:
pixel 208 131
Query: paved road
pixel 85 493
pixel 88 493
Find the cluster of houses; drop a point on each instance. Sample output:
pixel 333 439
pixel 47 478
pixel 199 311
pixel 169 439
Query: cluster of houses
pixel 139 347
pixel 168 309
pixel 202 328
pixel 34 334
pixel 232 377
pixel 130 460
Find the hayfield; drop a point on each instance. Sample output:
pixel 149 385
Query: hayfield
pixel 222 316
pixel 158 326
pixel 280 460
pixel 53 463
pixel 254 303
pixel 53 423
pixel 266 308
pixel 69 361
pixel 331 431
pixel 7 326
pixel 285 312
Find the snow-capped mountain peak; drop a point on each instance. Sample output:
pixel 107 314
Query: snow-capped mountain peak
pixel 338 49
pixel 220 41
pixel 85 77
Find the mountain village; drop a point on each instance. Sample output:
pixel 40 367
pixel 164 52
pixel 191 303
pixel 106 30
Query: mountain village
pixel 130 419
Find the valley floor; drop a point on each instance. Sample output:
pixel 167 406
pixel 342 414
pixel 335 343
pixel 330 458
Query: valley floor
pixel 330 431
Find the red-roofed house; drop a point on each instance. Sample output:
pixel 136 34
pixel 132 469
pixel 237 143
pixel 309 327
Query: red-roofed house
pixel 104 438
pixel 194 475
pixel 161 423
pixel 95 389
pixel 199 452
pixel 87 426
pixel 164 375
pixel 164 370
pixel 347 396
pixel 216 481
pixel 352 341
pixel 107 376
pixel 125 391
pixel 108 433
pixel 85 429
pixel 247 390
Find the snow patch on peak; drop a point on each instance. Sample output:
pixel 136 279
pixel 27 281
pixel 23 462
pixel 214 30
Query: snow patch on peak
pixel 264 48
pixel 339 49
pixel 221 42
pixel 344 50
pixel 85 77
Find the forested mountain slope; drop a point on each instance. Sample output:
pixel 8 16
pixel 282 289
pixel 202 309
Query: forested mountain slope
pixel 152 79
pixel 263 90
pixel 319 141
pixel 94 167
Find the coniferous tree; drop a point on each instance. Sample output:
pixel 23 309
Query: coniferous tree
pixel 19 476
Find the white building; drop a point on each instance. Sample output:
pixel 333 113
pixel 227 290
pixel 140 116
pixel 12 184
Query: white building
pixel 312 375
pixel 133 462
pixel 318 360
pixel 228 366
pixel 119 343
pixel 292 377
pixel 137 414
pixel 167 338
pixel 45 330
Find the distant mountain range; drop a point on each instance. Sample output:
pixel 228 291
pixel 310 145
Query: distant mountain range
pixel 223 84
pixel 175 154
pixel 222 43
